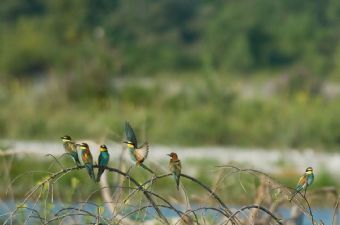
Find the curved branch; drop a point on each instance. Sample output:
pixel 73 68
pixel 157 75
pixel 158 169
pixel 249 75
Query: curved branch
pixel 272 180
pixel 145 192
pixel 75 209
pixel 335 213
pixel 215 196
pixel 144 207
pixel 67 215
pixel 56 160
pixel 64 171
pixel 257 207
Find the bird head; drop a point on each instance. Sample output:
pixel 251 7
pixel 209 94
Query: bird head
pixel 103 148
pixel 65 138
pixel 173 155
pixel 83 146
pixel 129 144
pixel 309 170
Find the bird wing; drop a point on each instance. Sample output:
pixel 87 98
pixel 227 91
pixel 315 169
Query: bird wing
pixel 100 159
pixel 73 146
pixel 130 134
pixel 70 147
pixel 84 157
pixel 176 167
pixel 301 183
pixel 142 152
pixel 87 157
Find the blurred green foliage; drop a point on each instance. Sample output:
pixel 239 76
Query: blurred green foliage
pixel 148 37
pixel 179 70
pixel 243 186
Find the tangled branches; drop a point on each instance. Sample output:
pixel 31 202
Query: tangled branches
pixel 138 202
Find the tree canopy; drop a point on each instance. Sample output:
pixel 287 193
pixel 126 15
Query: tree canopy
pixel 147 37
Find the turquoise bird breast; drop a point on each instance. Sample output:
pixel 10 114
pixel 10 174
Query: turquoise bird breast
pixel 104 158
pixel 310 179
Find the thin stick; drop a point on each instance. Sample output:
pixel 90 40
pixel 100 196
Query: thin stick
pixel 142 189
pixel 57 161
pixel 257 207
pixel 335 213
pixel 215 196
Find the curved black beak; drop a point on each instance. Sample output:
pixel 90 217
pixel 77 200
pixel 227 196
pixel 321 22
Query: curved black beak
pixel 125 142
pixel 169 155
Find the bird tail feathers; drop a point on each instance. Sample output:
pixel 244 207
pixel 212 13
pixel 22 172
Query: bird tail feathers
pixel 90 171
pixel 100 172
pixel 147 168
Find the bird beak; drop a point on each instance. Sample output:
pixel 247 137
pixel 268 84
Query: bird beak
pixel 78 144
pixel 125 142
pixel 169 155
pixel 61 137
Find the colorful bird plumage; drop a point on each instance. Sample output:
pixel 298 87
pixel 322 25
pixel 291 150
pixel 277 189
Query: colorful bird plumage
pixel 71 148
pixel 103 160
pixel 137 154
pixel 175 167
pixel 87 159
pixel 305 181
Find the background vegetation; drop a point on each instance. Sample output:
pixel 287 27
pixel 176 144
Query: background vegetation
pixel 248 73
pixel 55 192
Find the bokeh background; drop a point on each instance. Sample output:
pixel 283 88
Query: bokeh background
pixel 258 76
pixel 245 73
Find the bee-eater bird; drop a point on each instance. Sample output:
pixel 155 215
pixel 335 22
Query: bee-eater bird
pixel 175 167
pixel 304 182
pixel 137 154
pixel 87 159
pixel 71 148
pixel 103 160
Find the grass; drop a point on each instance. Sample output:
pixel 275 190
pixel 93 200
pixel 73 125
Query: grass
pixel 191 111
pixel 18 170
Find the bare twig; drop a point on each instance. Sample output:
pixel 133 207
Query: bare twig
pixel 56 160
pixel 335 213
pixel 279 221
pixel 276 185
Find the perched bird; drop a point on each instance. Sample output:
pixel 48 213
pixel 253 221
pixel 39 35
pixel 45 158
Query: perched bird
pixel 175 167
pixel 87 159
pixel 304 182
pixel 103 160
pixel 137 154
pixel 71 148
